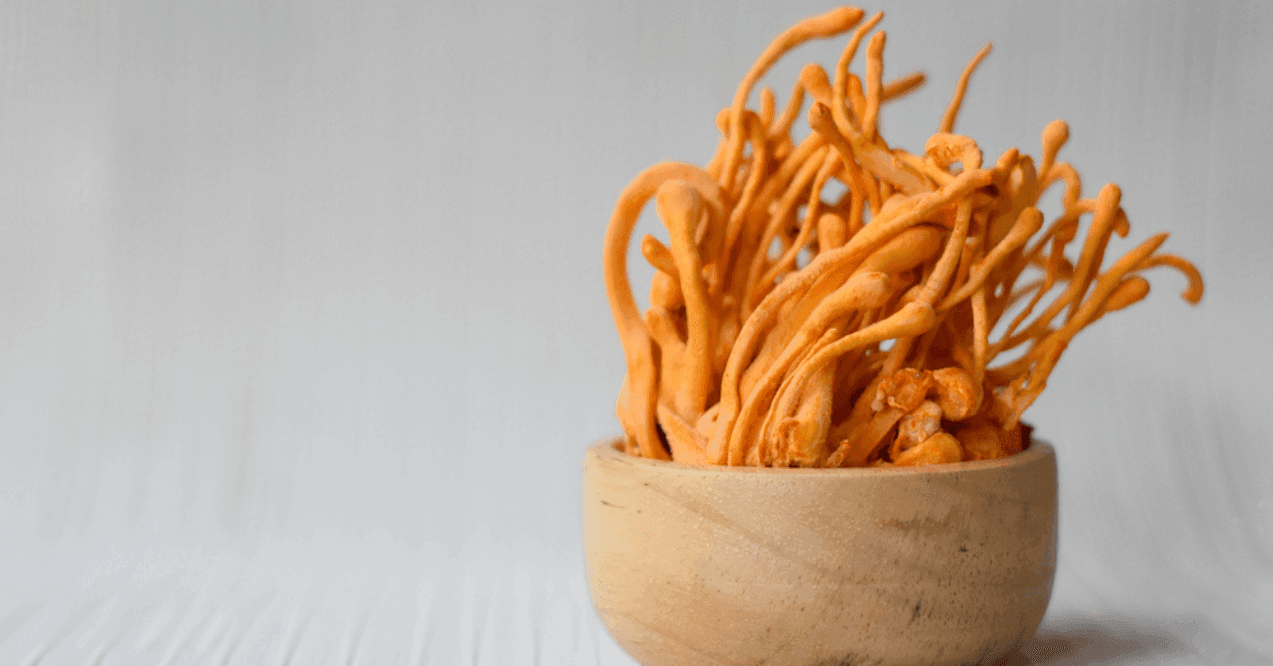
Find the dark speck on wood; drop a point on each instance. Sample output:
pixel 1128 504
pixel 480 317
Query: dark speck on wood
pixel 846 660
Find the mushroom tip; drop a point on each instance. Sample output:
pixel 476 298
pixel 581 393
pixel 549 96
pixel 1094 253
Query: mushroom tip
pixel 819 115
pixel 814 78
pixel 1057 131
pixel 678 195
pixel 918 318
pixel 1111 194
pixel 722 119
pixel 845 16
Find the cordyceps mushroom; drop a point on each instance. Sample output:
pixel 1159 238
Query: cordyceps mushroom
pixel 791 327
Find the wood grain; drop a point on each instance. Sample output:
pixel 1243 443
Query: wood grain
pixel 943 564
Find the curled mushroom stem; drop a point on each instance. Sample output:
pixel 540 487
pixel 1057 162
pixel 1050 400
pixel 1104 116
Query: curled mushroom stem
pixel 907 250
pixel 1028 223
pixel 737 216
pixel 1054 136
pixel 782 126
pixel 642 377
pixel 756 287
pixel 952 111
pixel 1104 220
pixel 688 446
pixel 814 80
pixel 797 424
pixel 873 157
pixel 788 260
pixel 946 149
pixel 791 325
pixel 1023 391
pixel 842 88
pixel 903 86
pixel 1193 293
pixel 680 206
pixel 806 432
pixel 861 291
pixel 768 104
pixel 871 237
pixel 945 267
pixel 874 84
pixel 658 255
pixel 822 26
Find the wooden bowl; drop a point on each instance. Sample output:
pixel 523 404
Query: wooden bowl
pixel 942 564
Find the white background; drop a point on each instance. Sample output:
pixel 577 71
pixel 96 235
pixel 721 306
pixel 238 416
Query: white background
pixel 302 332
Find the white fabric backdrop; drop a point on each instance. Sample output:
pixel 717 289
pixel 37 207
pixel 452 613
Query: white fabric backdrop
pixel 302 332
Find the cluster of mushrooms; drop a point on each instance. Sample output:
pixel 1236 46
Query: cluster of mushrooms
pixel 890 325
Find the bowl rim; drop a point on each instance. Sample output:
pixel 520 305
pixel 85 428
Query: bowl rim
pixel 609 449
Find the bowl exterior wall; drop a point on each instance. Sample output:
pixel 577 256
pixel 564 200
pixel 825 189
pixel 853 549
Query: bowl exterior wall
pixel 706 566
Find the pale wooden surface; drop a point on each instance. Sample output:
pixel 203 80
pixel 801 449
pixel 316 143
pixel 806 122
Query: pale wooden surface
pixel 300 312
pixel 372 603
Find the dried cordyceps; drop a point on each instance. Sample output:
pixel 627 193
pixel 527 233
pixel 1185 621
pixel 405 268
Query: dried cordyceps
pixel 749 355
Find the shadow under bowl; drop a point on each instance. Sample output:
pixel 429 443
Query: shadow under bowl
pixel 707 565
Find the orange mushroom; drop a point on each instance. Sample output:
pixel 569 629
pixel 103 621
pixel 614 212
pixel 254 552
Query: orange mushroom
pixel 789 329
